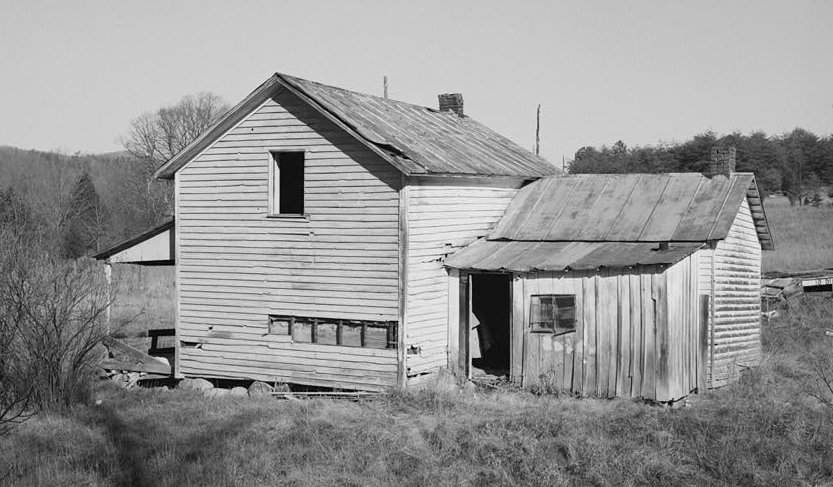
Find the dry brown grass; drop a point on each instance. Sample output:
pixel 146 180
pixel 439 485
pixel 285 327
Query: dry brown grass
pixel 803 236
pixel 765 430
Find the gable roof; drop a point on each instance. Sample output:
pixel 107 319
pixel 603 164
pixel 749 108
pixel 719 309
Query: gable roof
pixel 681 207
pixel 416 140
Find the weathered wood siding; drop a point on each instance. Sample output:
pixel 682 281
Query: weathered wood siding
pixel 737 299
pixel 637 333
pixel 237 265
pixel 158 248
pixel 444 215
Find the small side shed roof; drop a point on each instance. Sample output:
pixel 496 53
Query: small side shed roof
pixel 153 247
pixel 416 140
pixel 677 207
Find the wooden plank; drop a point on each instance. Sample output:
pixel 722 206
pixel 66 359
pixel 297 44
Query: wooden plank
pixel 636 348
pixel 649 310
pixel 589 292
pixel 132 353
pixel 604 328
pixel 454 324
pixel 532 348
pixel 144 333
pixel 659 284
pixel 177 274
pixel 151 368
pixel 519 327
pixel 404 193
pixel 623 339
pixel 463 358
pixel 610 288
pixel 577 283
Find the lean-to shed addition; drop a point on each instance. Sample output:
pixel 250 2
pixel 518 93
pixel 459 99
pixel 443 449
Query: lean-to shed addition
pixel 641 285
pixel 311 226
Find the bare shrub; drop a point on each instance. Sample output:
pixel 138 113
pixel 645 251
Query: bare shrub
pixel 51 320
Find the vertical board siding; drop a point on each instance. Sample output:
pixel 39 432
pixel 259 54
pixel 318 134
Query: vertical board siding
pixel 237 265
pixel 682 348
pixel 444 215
pixel 737 299
pixel 636 333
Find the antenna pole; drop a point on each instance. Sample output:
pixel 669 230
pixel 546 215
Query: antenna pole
pixel 538 131
pixel 385 84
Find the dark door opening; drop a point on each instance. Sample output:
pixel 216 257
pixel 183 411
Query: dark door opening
pixel 491 307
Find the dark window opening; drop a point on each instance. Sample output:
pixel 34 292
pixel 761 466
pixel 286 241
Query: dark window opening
pixel 288 183
pixel 553 313
pixel 345 333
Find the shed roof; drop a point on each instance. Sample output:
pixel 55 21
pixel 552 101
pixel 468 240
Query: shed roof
pixel 415 139
pixel 680 207
pixel 502 255
pixel 159 254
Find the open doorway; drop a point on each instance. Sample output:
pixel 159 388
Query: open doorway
pixel 489 323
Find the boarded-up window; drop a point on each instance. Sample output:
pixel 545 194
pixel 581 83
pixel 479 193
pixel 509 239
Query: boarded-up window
pixel 553 313
pixel 286 188
pixel 345 333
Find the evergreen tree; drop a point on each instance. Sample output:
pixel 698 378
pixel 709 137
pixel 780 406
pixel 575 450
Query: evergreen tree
pixel 87 220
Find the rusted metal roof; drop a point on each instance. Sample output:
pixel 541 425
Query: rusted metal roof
pixel 501 255
pixel 680 207
pixel 414 139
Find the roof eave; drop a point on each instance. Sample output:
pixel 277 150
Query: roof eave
pixel 756 208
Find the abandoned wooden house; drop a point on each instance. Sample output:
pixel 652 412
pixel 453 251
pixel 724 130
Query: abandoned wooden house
pixel 331 238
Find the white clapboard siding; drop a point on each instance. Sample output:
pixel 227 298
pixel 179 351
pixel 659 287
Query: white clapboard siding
pixel 737 299
pixel 237 265
pixel 444 215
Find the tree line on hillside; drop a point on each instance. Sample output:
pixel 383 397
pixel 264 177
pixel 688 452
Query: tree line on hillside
pixel 80 204
pixel 797 164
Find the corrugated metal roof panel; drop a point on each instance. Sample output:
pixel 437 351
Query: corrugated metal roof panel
pixel 682 207
pixel 501 255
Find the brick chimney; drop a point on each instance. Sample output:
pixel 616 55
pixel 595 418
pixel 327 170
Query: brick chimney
pixel 722 161
pixel 453 102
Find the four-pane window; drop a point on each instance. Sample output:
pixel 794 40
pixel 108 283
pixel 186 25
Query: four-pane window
pixel 553 313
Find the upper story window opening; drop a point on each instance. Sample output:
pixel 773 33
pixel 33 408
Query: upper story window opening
pixel 286 183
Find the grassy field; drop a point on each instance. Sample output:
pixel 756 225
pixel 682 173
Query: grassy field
pixel 803 236
pixel 768 429
pixel 144 297
pixel 765 430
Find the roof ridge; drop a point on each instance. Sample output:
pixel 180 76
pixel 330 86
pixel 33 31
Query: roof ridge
pixel 359 93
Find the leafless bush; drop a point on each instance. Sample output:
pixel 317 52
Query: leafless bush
pixel 51 320
pixel 820 365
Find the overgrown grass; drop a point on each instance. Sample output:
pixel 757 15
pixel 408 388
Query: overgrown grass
pixel 803 236
pixel 145 298
pixel 764 430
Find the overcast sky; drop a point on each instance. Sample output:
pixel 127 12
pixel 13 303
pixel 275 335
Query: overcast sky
pixel 75 73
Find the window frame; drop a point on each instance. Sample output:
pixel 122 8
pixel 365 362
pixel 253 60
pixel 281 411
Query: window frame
pixel 556 330
pixel 390 327
pixel 273 192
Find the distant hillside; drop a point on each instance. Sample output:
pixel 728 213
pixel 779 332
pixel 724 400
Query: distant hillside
pixel 45 180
